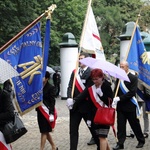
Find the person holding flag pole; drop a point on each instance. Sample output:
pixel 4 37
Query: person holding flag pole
pixel 75 110
pixel 127 106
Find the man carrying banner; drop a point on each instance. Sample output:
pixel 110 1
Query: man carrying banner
pixel 79 111
pixel 127 109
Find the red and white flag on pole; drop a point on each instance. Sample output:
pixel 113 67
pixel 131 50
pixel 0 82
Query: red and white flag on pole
pixel 91 42
pixel 3 145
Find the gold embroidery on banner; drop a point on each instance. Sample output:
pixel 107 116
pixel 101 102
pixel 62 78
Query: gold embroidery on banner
pixel 145 58
pixel 32 70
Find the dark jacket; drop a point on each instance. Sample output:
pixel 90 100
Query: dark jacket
pixel 85 76
pixel 107 94
pixel 56 78
pixel 49 97
pixel 6 107
pixel 125 103
pixel 83 106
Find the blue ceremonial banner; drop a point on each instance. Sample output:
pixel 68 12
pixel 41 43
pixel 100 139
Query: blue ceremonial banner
pixel 46 46
pixel 25 55
pixel 138 59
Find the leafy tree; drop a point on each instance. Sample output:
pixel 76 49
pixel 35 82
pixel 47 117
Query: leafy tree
pixel 111 16
pixel 67 17
pixel 15 15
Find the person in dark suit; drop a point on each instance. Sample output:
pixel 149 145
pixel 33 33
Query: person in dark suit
pixel 100 94
pixel 127 109
pixel 56 81
pixel 80 111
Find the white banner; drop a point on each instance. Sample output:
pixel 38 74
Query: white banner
pixel 91 42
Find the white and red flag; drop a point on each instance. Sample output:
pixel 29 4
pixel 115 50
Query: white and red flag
pixel 90 38
pixel 3 145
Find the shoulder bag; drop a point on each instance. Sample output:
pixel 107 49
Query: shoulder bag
pixel 13 130
pixel 105 115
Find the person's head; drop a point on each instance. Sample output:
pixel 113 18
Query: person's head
pixel 124 65
pixel 7 85
pixel 97 76
pixel 81 56
pixel 47 77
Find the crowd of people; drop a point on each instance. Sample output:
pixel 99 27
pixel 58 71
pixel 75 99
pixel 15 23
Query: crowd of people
pixel 91 89
pixel 123 102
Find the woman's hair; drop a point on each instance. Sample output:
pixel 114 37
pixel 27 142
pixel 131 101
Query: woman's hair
pixel 84 54
pixel 97 73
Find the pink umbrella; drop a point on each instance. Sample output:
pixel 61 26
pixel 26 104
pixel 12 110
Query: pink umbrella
pixel 107 67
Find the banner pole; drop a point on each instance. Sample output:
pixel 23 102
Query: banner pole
pixel 81 39
pixel 85 23
pixel 128 51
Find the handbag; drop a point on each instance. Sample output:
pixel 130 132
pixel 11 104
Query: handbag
pixel 13 130
pixel 105 115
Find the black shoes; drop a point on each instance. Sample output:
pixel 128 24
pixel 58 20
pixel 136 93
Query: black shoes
pixel 130 135
pixel 91 142
pixel 140 145
pixel 145 135
pixel 118 147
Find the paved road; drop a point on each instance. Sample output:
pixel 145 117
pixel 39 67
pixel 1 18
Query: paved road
pixel 31 140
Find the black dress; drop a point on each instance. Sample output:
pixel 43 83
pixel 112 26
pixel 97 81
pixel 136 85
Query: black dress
pixel 49 102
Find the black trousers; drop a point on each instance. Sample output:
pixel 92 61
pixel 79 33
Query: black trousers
pixel 75 120
pixel 122 118
pixel 57 88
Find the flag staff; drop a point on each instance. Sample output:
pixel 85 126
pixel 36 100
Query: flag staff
pixel 48 15
pixel 128 50
pixel 81 39
pixel 136 23
pixel 84 25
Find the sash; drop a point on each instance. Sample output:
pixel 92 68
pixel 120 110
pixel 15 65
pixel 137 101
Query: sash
pixel 133 99
pixel 97 101
pixel 3 144
pixel 95 98
pixel 45 112
pixel 78 83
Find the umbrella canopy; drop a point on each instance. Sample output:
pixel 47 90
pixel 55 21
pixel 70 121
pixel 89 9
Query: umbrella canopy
pixel 50 70
pixel 107 67
pixel 6 71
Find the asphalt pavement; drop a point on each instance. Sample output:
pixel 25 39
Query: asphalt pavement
pixel 31 140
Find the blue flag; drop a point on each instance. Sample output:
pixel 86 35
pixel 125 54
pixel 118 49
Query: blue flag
pixel 138 59
pixel 25 55
pixel 46 46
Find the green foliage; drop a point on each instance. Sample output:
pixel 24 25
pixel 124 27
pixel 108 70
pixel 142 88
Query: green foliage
pixel 67 17
pixel 15 16
pixel 111 16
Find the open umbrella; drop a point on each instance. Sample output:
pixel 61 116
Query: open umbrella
pixel 6 71
pixel 50 70
pixel 107 67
